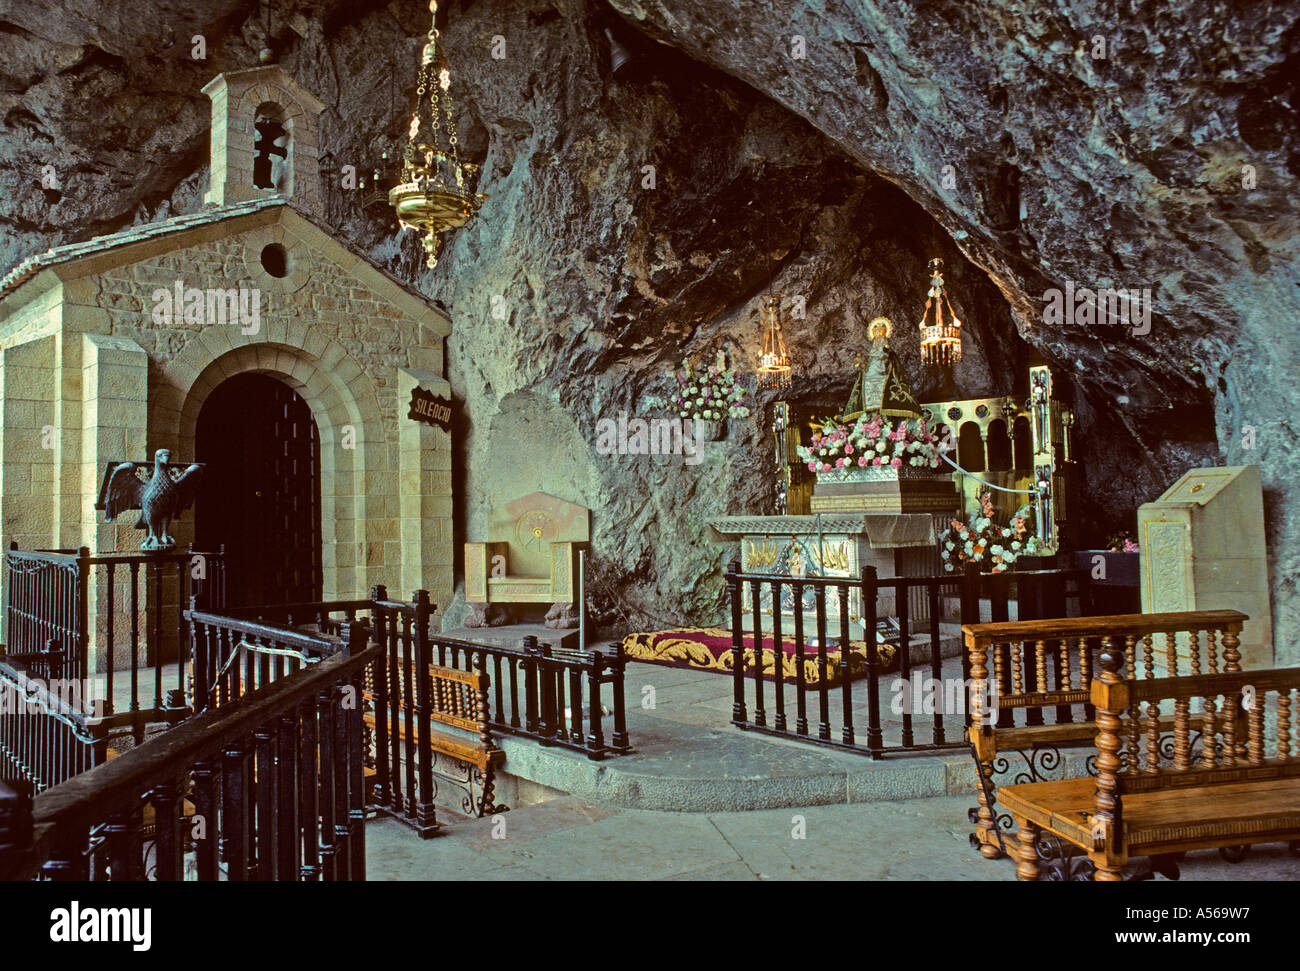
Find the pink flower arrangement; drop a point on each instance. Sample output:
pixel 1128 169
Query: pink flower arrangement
pixel 1122 542
pixel 875 442
pixel 990 546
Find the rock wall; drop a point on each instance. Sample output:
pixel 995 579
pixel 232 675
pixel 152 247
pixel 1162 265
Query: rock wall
pixel 823 176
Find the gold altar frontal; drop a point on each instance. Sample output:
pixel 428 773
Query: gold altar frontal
pixel 833 546
pixel 899 496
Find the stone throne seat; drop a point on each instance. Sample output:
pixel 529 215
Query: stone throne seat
pixel 530 557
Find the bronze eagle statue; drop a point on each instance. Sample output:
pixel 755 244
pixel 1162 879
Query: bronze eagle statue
pixel 160 497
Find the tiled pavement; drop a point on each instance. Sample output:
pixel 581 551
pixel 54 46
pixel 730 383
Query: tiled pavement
pixel 567 839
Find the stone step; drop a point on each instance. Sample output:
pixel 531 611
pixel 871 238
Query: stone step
pixel 686 768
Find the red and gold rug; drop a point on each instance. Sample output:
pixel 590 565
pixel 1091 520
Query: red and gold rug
pixel 709 649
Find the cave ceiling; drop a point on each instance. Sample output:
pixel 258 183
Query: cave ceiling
pixel 990 134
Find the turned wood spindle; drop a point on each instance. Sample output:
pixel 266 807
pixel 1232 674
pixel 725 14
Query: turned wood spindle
pixel 1108 745
pixel 1284 723
pixel 1196 650
pixel 1134 710
pixel 1208 741
pixel 1040 649
pixel 1182 737
pixel 1017 685
pixel 979 674
pixel 1210 650
pixel 1066 681
pixel 981 720
pixel 480 708
pixel 1255 727
pixel 1231 657
pixel 1231 708
pixel 1153 709
pixel 1171 652
pixel 1027 859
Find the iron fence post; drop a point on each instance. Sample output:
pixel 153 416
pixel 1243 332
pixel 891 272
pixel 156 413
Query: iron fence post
pixel 875 737
pixel 618 665
pixel 970 610
pixel 737 644
pixel 531 676
pixel 596 734
pixel 81 642
pixel 198 661
pixel 424 813
pixel 546 682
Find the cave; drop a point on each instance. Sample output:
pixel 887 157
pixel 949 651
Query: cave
pixel 658 196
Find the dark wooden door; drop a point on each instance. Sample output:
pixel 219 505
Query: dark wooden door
pixel 260 495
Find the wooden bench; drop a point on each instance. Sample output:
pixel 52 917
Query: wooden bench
pixel 457 699
pixel 1030 669
pixel 1239 784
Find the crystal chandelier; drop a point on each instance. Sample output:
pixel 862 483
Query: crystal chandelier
pixel 434 195
pixel 774 362
pixel 940 337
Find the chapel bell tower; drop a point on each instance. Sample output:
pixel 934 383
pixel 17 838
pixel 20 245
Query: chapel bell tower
pixel 265 138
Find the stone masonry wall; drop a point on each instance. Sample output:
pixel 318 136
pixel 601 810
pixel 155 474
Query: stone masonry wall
pixel 114 383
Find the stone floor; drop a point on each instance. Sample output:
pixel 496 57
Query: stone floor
pixel 865 829
pixel 688 757
pixel 569 839
pixel 696 697
pixel 149 687
pixel 843 816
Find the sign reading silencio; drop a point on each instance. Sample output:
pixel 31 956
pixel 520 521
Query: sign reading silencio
pixel 431 410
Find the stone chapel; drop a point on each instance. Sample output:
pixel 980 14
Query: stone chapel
pixel 247 336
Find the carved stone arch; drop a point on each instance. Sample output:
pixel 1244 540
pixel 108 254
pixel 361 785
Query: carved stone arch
pixel 343 403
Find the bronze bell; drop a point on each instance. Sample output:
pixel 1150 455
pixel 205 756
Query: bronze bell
pixel 619 55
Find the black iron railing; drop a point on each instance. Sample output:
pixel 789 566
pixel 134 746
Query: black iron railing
pixel 934 718
pixel 550 696
pixel 231 656
pixel 533 691
pixel 139 620
pixel 47 735
pixel 45 611
pixel 324 616
pixel 267 787
pixel 537 692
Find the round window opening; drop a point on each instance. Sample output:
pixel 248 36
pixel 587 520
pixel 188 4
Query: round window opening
pixel 275 260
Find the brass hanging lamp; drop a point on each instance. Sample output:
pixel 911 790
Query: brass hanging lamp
pixel 940 336
pixel 435 194
pixel 774 361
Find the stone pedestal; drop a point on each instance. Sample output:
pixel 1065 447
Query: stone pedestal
pixel 876 491
pixel 833 546
pixel 1202 548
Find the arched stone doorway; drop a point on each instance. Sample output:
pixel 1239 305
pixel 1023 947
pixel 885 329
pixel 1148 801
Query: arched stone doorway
pixel 260 495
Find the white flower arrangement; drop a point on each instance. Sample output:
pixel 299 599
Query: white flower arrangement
pixel 704 394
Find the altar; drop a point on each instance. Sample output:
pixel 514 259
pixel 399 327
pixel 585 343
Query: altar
pixel 880 500
pixel 833 545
